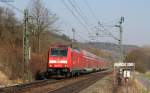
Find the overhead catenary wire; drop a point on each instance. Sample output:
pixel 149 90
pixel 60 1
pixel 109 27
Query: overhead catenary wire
pixel 81 37
pixel 109 22
pixel 81 14
pixel 109 33
pixel 90 9
pixel 96 18
pixel 68 25
pixel 78 11
pixel 21 11
pixel 74 15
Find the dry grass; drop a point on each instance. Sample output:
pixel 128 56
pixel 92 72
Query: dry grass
pixel 11 63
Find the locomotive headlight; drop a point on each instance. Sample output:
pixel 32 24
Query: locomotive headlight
pixel 63 61
pixel 52 61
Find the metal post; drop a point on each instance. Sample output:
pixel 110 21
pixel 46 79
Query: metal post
pixel 73 39
pixel 97 36
pixel 121 46
pixel 121 57
pixel 98 30
pixel 26 45
pixel 73 30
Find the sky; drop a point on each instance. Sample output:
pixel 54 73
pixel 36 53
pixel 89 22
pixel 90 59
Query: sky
pixel 136 13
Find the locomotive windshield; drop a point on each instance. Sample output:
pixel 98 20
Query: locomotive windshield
pixel 58 52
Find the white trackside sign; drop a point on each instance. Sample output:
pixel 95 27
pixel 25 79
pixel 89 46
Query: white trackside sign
pixel 123 64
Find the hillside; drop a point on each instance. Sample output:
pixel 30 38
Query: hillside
pixel 112 46
pixel 12 63
pixel 141 57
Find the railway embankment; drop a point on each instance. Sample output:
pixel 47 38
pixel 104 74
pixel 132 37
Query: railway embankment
pixel 143 83
pixel 91 83
pixel 106 85
pixel 71 85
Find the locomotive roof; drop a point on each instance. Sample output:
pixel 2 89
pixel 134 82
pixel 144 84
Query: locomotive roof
pixel 85 53
pixel 60 46
pixel 93 56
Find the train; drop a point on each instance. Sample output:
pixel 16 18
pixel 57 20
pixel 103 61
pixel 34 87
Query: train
pixel 65 61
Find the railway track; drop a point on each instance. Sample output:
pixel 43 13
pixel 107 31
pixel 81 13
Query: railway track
pixel 79 85
pixel 71 85
pixel 21 87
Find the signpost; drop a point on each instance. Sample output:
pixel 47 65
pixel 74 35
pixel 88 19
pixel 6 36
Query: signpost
pixel 124 64
pixel 124 71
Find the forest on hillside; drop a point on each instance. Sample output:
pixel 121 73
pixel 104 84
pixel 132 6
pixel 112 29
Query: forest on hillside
pixel 141 58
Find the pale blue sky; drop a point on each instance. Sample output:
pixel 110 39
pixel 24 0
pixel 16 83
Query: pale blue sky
pixel 136 12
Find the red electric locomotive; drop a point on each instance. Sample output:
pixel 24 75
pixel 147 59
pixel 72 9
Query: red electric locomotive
pixel 64 61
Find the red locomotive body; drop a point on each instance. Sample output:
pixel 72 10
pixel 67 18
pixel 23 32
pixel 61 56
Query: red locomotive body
pixel 66 61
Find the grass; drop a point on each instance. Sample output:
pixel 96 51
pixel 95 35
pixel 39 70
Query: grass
pixel 147 74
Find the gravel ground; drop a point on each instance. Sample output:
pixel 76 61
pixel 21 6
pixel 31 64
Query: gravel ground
pixel 102 86
pixel 105 85
pixel 141 88
pixel 130 87
pixel 143 81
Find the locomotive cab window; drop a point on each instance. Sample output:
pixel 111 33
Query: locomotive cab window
pixel 58 52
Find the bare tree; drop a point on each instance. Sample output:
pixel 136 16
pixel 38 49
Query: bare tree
pixel 42 21
pixel 141 58
pixel 10 28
